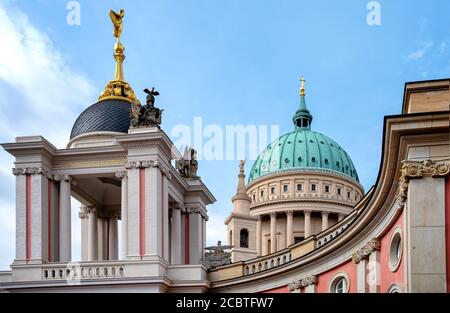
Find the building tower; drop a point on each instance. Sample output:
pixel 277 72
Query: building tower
pixel 241 226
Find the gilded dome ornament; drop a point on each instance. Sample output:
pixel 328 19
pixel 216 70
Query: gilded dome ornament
pixel 118 88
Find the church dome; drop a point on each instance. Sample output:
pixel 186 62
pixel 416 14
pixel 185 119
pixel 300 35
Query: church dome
pixel 303 150
pixel 109 115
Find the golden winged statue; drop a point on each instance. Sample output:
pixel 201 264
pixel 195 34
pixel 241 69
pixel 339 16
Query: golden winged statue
pixel 116 18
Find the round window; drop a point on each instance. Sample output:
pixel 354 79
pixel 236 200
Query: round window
pixel 395 250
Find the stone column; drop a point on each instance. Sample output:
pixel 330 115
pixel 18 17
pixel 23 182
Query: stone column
pixel 84 217
pixel 361 275
pixel 307 223
pixel 258 236
pixel 374 274
pixel 113 238
pixel 324 220
pixel 273 237
pixel 124 211
pixel 92 235
pixel 65 240
pixel 176 236
pixel 195 240
pixel 101 229
pixel 289 228
pixel 21 213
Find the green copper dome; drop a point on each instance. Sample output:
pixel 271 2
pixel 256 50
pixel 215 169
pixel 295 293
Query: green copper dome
pixel 303 149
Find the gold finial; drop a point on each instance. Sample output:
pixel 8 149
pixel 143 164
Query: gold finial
pixel 118 88
pixel 302 87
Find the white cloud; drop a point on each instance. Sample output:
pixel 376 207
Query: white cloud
pixel 41 92
pixel 39 95
pixel 420 53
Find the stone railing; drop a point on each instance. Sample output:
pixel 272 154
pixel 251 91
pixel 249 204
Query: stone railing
pixel 334 231
pixel 267 262
pixel 74 271
pixel 293 252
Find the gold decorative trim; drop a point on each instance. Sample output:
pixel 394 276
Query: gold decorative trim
pixel 419 169
pixel 90 164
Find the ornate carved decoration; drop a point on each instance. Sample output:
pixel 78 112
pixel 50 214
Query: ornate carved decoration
pixel 83 212
pixel 196 210
pixel 63 177
pixel 121 174
pixel 364 252
pixel 149 163
pixel 414 169
pixel 32 171
pixel 302 283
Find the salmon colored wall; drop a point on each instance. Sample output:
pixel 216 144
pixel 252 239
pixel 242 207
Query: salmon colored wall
pixel 278 290
pixel 387 277
pixel 324 279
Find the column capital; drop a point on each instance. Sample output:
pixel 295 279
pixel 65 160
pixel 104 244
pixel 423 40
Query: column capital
pixel 121 174
pixel 307 211
pixel 302 283
pixel 83 212
pixel 63 177
pixel 419 169
pixel 290 212
pixel 366 250
pixel 326 213
pixel 150 163
pixel 32 171
pixel 90 209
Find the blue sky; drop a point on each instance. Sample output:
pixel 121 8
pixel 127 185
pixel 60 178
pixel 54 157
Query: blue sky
pixel 229 62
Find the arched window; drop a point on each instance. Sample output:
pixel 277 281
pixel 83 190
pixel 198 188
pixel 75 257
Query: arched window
pixel 339 283
pixel 244 238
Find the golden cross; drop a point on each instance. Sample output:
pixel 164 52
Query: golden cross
pixel 302 87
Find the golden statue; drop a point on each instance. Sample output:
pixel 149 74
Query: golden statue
pixel 118 88
pixel 116 18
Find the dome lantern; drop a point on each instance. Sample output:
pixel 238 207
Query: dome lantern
pixel 302 118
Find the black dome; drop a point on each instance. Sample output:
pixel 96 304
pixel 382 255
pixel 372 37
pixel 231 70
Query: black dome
pixel 106 115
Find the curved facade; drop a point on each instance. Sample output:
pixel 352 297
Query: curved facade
pixel 387 241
